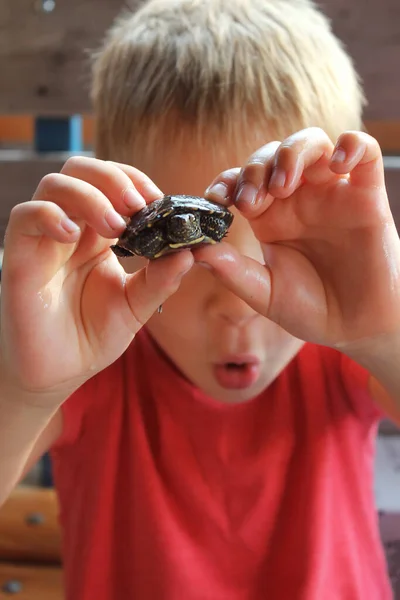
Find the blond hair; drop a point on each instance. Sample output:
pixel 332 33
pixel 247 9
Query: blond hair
pixel 217 66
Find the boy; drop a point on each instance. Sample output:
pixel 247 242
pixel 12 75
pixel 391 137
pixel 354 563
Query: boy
pixel 222 449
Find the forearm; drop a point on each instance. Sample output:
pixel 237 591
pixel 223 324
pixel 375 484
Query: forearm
pixel 21 425
pixel 381 357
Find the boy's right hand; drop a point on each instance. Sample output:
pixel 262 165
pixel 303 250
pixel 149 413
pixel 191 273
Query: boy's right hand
pixel 68 309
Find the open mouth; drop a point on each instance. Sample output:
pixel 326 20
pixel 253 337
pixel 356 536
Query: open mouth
pixel 238 373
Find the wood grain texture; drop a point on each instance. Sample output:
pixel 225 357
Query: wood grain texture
pixel 387 133
pixel 38 583
pixel 21 540
pixel 44 67
pixel 20 174
pixel 44 57
pixel 17 130
pixel 371 33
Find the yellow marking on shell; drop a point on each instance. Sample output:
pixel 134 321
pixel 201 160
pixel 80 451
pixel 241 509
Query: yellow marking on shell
pixel 182 244
pixel 163 251
pixel 177 246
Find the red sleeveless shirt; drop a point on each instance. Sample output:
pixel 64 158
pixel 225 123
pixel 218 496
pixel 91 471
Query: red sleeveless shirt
pixel 166 494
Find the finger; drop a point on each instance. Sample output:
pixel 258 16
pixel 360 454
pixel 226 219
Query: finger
pixel 150 287
pixel 222 188
pixel 359 154
pixel 34 233
pixel 286 289
pixel 81 200
pixel 36 218
pixel 109 179
pixel 244 276
pixel 251 195
pixel 145 186
pixel 302 157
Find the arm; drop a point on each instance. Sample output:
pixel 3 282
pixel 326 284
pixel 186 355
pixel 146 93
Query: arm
pixel 26 433
pixel 68 308
pixel 382 359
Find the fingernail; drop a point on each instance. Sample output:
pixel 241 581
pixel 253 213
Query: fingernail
pixel 247 193
pixel 69 226
pixel 219 189
pixel 278 178
pixel 132 199
pixel 150 189
pixel 114 220
pixel 339 155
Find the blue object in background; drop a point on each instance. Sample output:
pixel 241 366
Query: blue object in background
pixel 58 134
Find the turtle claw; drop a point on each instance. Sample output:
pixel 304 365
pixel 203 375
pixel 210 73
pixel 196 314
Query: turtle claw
pixel 159 310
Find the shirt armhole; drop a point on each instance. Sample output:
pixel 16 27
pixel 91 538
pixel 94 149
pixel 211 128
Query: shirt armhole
pixel 72 414
pixel 355 380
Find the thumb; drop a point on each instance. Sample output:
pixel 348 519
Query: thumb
pixel 150 287
pixel 285 289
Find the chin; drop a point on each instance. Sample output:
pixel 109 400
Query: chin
pixel 229 396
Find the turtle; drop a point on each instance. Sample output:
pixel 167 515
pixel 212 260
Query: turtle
pixel 172 223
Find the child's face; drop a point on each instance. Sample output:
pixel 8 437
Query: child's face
pixel 215 339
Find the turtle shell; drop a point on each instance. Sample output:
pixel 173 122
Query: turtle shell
pixel 173 223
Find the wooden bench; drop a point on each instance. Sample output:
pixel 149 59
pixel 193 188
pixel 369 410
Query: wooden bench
pixel 30 546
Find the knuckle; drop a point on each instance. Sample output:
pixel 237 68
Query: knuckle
pixel 75 163
pixel 299 139
pixel 360 136
pixel 318 132
pixel 287 151
pixel 228 176
pixel 17 212
pixel 48 184
pixel 253 171
pixel 263 154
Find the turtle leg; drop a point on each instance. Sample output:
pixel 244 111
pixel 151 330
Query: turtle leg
pixel 214 227
pixel 120 251
pixel 149 243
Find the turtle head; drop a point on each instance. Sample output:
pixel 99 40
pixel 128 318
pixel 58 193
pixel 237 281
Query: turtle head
pixel 183 228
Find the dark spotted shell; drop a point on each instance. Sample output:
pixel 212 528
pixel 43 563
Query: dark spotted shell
pixel 158 212
pixel 168 205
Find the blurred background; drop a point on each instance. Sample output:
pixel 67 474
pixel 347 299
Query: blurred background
pixel 45 116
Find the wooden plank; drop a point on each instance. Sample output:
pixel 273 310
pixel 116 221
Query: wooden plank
pixel 35 583
pixel 43 56
pixel 387 133
pixel 18 130
pixel 29 528
pixel 43 60
pixel 20 174
pixel 371 33
pixel 392 177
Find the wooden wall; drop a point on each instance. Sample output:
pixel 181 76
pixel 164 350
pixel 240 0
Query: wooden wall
pixel 44 56
pixel 44 71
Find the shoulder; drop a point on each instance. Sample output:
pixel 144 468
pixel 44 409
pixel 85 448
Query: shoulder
pixel 337 377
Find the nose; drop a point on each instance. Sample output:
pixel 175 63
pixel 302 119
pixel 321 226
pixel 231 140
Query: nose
pixel 227 307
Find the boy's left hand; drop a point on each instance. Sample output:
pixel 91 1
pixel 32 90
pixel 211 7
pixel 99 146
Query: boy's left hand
pixel 331 248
